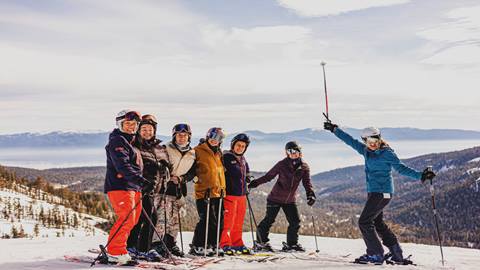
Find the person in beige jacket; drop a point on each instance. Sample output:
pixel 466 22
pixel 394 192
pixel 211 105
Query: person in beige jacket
pixel 210 184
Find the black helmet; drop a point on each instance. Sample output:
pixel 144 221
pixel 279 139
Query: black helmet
pixel 148 119
pixel 293 145
pixel 242 137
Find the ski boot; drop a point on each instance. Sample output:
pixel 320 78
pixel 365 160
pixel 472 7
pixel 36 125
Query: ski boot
pixel 124 260
pixel 221 252
pixel 258 246
pixel 200 251
pixel 172 246
pixel 395 256
pixel 292 247
pixel 229 251
pixel 373 259
pixel 243 250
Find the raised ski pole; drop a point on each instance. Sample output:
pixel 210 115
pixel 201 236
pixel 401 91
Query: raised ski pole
pixel 314 231
pixel 104 248
pixel 434 208
pixel 219 217
pixel 207 197
pixel 326 93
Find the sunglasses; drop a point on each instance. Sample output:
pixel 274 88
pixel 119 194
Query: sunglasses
pixel 130 116
pixel 292 151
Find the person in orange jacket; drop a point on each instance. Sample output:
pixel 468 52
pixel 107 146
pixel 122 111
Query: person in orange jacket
pixel 210 186
pixel 237 175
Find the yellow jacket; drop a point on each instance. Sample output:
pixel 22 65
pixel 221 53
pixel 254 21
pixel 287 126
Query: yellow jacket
pixel 210 172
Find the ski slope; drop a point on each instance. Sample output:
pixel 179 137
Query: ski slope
pixel 47 253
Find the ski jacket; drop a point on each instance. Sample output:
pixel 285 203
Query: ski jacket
pixel 378 164
pixel 285 189
pixel 236 171
pixel 152 153
pixel 124 163
pixel 210 172
pixel 183 166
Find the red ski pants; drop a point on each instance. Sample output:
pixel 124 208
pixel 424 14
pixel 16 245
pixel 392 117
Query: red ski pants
pixel 123 202
pixel 235 208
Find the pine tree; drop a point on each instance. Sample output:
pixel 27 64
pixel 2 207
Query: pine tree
pixel 14 231
pixel 36 230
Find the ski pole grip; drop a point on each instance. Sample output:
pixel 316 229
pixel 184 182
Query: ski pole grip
pixel 207 194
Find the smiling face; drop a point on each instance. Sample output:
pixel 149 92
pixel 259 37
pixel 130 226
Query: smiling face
pixel 130 127
pixel 147 132
pixel 239 147
pixel 373 143
pixel 213 142
pixel 181 138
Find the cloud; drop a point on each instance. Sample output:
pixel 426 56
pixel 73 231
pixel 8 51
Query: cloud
pixel 457 41
pixel 316 8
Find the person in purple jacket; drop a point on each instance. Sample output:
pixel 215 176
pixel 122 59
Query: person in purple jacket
pixel 291 171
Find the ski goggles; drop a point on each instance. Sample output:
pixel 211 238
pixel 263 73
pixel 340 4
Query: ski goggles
pixel 130 116
pixel 372 139
pixel 293 151
pixel 181 128
pixel 216 134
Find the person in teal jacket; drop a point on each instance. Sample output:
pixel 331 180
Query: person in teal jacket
pixel 380 159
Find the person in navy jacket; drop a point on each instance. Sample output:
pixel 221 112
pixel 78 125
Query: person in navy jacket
pixel 123 184
pixel 380 159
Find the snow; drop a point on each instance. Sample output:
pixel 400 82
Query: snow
pixel 475 159
pixel 446 168
pixel 48 254
pixel 473 170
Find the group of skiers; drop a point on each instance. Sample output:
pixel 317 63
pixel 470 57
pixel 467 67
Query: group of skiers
pixel 146 184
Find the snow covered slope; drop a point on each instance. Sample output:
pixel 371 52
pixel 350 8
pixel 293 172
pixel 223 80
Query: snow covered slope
pixel 48 254
pixel 40 214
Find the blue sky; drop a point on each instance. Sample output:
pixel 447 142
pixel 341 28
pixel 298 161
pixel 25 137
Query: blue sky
pixel 242 65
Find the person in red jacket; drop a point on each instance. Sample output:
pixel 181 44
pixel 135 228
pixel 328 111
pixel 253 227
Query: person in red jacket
pixel 123 185
pixel 235 203
pixel 291 171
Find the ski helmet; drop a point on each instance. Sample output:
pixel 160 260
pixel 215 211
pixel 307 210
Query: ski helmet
pixel 240 137
pixel 293 145
pixel 216 133
pixel 178 128
pixel 370 132
pixel 149 119
pixel 126 115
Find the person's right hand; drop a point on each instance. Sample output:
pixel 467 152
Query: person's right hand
pixel 329 126
pixel 427 174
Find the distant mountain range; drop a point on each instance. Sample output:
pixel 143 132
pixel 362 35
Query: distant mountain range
pixel 309 135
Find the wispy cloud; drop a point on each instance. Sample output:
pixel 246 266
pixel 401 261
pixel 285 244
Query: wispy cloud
pixel 315 8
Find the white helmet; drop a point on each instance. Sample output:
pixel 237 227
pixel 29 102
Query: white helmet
pixel 126 115
pixel 370 132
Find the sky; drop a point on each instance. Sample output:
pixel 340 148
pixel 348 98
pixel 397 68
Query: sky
pixel 242 65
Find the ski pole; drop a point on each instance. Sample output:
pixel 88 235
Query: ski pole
pixel 434 208
pixel 314 232
pixel 251 225
pixel 326 94
pixel 254 220
pixel 179 219
pixel 169 254
pixel 102 247
pixel 207 197
pixel 219 218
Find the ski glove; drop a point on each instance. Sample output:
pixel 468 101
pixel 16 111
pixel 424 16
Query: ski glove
pixel 329 126
pixel 250 178
pixel 427 174
pixel 310 198
pixel 253 184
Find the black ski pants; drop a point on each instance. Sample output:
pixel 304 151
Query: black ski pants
pixel 293 218
pixel 141 235
pixel 372 225
pixel 213 219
